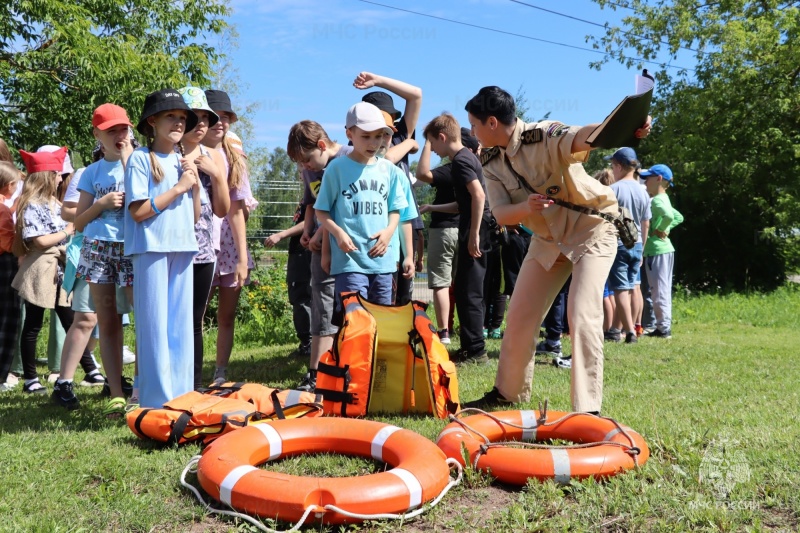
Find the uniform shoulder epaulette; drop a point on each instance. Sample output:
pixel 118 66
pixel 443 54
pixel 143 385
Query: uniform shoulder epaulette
pixel 487 154
pixel 531 136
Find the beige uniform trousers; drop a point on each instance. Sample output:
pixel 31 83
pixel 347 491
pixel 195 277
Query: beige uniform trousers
pixel 534 293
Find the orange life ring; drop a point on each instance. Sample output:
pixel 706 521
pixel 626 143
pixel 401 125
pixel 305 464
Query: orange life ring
pixel 227 471
pixel 617 448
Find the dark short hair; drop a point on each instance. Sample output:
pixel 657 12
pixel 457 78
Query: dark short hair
pixel 492 101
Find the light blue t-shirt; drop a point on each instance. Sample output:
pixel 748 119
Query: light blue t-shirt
pixel 407 214
pixel 359 199
pixel 99 179
pixel 173 229
pixel 632 195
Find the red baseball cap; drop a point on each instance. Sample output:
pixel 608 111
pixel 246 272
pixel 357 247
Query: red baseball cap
pixel 109 115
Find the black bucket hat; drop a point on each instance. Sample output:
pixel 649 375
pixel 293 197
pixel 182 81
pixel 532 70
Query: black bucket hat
pixel 383 102
pixel 164 100
pixel 220 101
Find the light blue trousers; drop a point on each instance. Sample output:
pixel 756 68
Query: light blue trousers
pixel 162 301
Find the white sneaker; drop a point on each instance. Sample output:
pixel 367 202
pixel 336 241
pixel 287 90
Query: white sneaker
pixel 128 357
pixel 12 380
pixel 6 387
pixel 52 378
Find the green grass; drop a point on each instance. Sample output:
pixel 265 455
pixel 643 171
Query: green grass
pixel 730 373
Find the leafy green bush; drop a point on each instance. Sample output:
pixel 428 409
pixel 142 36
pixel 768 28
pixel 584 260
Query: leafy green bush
pixel 264 315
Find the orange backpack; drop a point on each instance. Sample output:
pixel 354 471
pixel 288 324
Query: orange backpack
pixel 387 359
pixel 204 415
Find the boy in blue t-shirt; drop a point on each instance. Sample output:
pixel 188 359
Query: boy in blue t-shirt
pixel 359 203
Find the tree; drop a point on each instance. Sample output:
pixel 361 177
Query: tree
pixel 729 130
pixel 59 59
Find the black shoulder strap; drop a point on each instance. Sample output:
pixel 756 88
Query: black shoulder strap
pixel 487 154
pixel 532 136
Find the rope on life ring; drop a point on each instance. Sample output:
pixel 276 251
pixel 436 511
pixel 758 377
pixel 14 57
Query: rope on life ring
pixel 419 480
pixel 603 446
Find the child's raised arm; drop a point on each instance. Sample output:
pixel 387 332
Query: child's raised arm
pixel 410 93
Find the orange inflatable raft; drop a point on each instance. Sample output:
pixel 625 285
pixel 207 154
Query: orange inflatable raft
pixel 227 471
pixel 602 446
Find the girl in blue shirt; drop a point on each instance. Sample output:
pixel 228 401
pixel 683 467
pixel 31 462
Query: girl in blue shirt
pixel 162 200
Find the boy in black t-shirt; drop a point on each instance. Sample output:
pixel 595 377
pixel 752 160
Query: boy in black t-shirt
pixel 443 134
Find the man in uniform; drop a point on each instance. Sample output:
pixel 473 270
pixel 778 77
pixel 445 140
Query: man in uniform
pixel 534 176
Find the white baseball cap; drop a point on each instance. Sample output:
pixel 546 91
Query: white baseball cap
pixel 67 163
pixel 367 117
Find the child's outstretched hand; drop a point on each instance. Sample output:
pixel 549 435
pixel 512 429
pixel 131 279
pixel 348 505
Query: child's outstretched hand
pixel 112 200
pixel 345 242
pixel 364 80
pixel 383 238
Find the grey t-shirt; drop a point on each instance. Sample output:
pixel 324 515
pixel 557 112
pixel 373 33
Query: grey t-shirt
pixel 631 194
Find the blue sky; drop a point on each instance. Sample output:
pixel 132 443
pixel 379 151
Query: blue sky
pixel 298 58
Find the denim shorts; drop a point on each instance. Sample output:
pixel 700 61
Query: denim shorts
pixel 625 270
pixel 377 288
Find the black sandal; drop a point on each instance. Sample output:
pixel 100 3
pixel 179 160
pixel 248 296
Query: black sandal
pixel 34 387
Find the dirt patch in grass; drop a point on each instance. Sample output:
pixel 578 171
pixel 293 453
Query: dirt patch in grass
pixel 780 519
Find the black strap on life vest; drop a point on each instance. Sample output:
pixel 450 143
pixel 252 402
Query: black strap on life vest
pixel 333 395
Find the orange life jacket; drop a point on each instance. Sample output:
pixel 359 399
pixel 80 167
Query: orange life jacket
pixel 387 359
pixel 204 415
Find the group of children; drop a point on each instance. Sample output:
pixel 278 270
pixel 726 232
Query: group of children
pixel 155 226
pixel 640 283
pixel 161 225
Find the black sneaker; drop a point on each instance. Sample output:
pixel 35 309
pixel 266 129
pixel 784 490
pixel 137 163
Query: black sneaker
pixel 549 348
pixel 309 382
pixel 444 336
pixel 493 398
pixel 630 338
pixel 463 357
pixel 303 351
pixel 612 335
pixel 64 395
pixel 127 388
pixel 658 334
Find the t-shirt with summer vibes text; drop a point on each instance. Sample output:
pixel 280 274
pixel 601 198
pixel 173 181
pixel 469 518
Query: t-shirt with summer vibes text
pixel 359 199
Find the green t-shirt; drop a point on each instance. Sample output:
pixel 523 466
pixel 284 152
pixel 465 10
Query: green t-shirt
pixel 665 217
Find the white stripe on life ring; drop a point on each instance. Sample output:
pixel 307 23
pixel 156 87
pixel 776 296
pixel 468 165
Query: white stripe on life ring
pixel 379 440
pixel 561 468
pixel 530 423
pixel 226 487
pixel 274 439
pixel 412 484
pixel 454 429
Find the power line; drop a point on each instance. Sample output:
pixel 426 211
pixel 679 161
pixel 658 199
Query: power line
pixel 565 15
pixel 522 36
